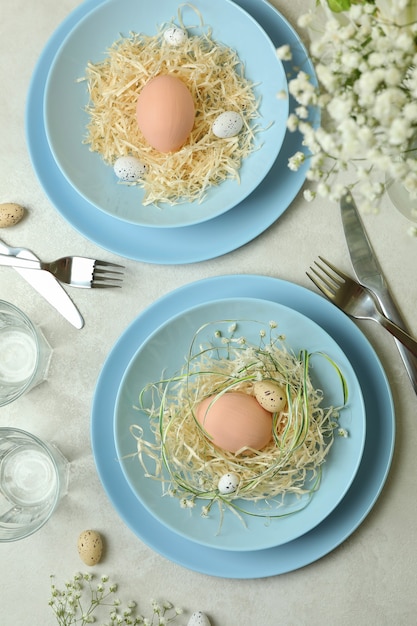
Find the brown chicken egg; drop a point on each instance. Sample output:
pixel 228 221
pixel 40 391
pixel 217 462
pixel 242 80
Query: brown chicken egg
pixel 235 420
pixel 165 113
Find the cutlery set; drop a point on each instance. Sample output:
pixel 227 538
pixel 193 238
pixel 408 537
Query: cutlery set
pixel 366 298
pixel 355 299
pixel 75 271
pixel 369 296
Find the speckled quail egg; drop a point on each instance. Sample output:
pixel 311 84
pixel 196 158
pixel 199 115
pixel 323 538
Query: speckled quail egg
pixel 90 547
pixel 270 395
pixel 227 124
pixel 129 168
pixel 10 214
pixel 228 483
pixel 198 618
pixel 175 36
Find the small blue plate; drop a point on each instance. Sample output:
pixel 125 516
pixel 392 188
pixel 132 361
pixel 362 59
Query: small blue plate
pixel 66 99
pixel 163 353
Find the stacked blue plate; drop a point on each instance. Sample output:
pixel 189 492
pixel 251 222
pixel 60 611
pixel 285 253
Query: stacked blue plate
pixel 117 232
pixel 337 512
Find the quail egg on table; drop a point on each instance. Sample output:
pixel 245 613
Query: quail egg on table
pixel 10 214
pixel 90 547
pixel 198 618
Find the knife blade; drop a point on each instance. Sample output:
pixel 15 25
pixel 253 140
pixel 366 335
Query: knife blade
pixel 370 274
pixel 45 284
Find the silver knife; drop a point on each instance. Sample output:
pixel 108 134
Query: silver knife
pixel 44 283
pixel 369 273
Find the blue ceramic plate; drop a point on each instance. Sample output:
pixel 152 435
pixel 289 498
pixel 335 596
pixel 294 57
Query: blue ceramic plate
pixel 337 526
pixel 162 354
pixel 66 99
pixel 158 245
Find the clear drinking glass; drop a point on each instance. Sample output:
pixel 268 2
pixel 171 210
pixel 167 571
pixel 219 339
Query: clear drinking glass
pixel 401 199
pixel 24 354
pixel 33 479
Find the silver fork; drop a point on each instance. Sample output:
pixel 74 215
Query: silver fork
pixel 355 299
pixel 77 271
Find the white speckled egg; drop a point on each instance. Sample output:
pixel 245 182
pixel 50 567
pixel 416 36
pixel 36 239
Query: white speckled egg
pixel 10 214
pixel 270 395
pixel 90 547
pixel 227 124
pixel 175 36
pixel 129 168
pixel 228 483
pixel 198 618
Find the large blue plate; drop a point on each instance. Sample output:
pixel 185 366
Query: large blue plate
pixel 364 490
pixel 158 245
pixel 66 99
pixel 164 352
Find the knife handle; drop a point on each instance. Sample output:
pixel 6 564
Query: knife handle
pixel 410 361
pixel 14 261
pixel 398 333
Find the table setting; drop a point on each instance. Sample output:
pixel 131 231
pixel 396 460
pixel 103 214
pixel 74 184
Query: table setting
pixel 126 306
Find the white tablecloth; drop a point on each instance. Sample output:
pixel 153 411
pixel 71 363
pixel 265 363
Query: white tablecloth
pixel 370 578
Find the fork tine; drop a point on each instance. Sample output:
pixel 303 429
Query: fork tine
pixel 103 281
pixel 110 273
pixel 99 263
pixel 329 294
pixel 326 286
pixel 104 276
pixel 335 280
pixel 338 272
pixel 328 282
pixel 104 270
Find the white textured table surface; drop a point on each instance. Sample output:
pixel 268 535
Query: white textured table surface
pixel 370 578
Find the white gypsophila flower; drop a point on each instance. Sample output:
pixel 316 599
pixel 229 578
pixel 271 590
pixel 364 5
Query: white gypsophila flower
pixel 366 67
pixel 388 105
pixel 301 112
pixel 284 53
pixel 410 111
pixel 400 131
pixel 304 21
pixel 292 122
pixel 309 195
pixel 342 432
pixel 296 161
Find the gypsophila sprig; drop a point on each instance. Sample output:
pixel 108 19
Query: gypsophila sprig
pixel 84 601
pixel 366 64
